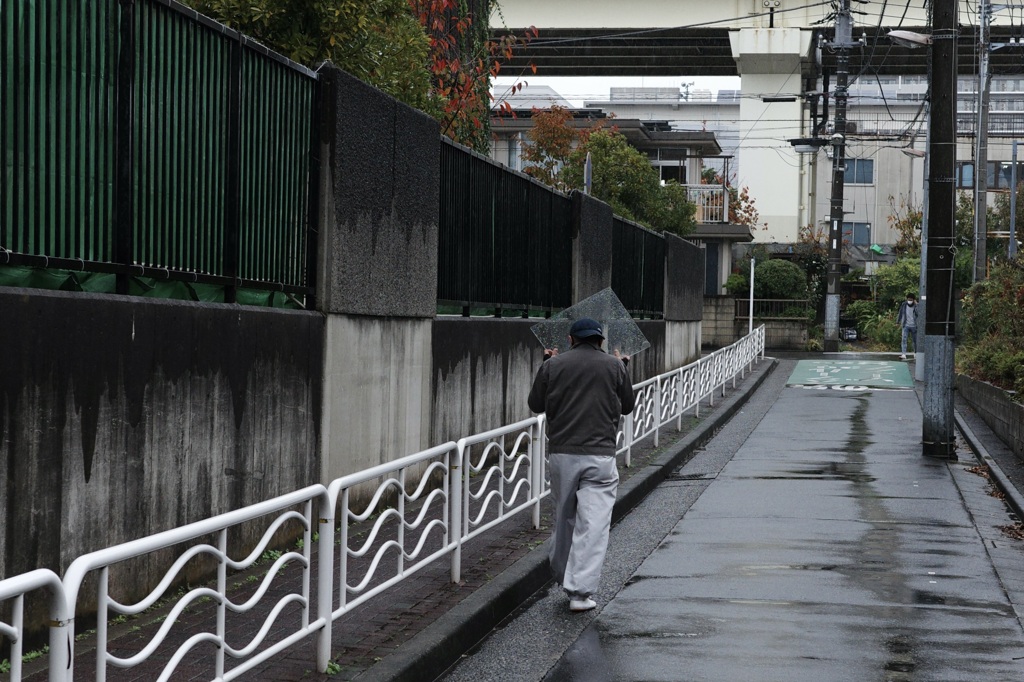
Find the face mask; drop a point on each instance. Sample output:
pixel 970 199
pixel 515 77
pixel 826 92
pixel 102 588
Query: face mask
pixel 910 303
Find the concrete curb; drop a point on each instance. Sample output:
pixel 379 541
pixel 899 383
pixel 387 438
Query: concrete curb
pixel 430 653
pixel 1013 497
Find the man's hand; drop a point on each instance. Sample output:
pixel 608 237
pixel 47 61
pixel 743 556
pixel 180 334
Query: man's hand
pixel 550 353
pixel 620 356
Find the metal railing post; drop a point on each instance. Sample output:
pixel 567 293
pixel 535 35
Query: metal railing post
pixel 325 582
pixel 713 376
pixel 455 510
pixel 222 613
pixel 101 625
pixel 657 411
pixel 537 484
pixel 628 434
pixel 343 552
pixel 680 397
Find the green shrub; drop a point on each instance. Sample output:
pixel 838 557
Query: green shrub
pixel 779 279
pixel 883 332
pixel 861 311
pixel 737 285
pixel 894 282
pixel 992 347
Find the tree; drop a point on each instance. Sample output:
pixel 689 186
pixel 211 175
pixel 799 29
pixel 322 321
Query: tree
pixel 812 255
pixel 905 219
pixel 742 206
pixel 552 140
pixel 430 54
pixel 624 178
pixel 993 329
pixel 779 279
pixel 462 60
pixel 377 41
pixel 743 209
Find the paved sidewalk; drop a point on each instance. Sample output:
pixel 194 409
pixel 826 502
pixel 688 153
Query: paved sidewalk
pixel 418 628
pixel 810 541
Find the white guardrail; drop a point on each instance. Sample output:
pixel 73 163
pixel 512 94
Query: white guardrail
pixel 423 507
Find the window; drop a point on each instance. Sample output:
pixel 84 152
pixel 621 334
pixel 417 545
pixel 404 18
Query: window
pixel 964 175
pixel 676 172
pixel 860 172
pixel 858 234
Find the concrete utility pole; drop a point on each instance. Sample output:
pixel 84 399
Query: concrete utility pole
pixel 843 43
pixel 937 436
pixel 1011 249
pixel 981 144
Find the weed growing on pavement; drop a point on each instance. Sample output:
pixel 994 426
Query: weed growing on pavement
pixel 333 668
pixel 5 666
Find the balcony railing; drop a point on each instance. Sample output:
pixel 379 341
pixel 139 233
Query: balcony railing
pixel 712 202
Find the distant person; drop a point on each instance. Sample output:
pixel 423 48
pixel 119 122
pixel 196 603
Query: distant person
pixel 907 319
pixel 584 391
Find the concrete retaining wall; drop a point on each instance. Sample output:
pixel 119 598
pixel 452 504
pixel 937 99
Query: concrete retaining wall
pixel 779 334
pixel 718 328
pixel 122 417
pixel 993 405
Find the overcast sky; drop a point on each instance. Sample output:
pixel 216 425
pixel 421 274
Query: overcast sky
pixel 580 89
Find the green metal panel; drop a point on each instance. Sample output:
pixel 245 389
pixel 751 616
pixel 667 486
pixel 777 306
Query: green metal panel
pixel 58 105
pixel 57 131
pixel 180 128
pixel 276 105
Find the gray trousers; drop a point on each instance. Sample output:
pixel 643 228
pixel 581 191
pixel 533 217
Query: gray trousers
pixel 584 490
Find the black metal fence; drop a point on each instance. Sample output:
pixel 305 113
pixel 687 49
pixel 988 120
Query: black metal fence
pixel 638 268
pixel 142 139
pixel 505 240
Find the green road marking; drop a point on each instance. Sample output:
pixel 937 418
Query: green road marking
pixel 850 373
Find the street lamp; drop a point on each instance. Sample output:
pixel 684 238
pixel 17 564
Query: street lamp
pixel 910 39
pixel 808 145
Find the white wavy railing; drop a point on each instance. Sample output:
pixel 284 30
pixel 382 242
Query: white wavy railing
pixel 15 589
pixel 283 511
pixel 458 490
pixel 667 397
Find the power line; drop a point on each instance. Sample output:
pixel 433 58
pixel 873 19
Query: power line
pixel 649 31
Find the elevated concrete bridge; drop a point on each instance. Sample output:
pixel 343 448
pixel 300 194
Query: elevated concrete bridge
pixel 693 38
pixel 770 44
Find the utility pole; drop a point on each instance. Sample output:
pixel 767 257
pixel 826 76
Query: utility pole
pixel 1011 249
pixel 937 432
pixel 922 359
pixel 843 42
pixel 981 144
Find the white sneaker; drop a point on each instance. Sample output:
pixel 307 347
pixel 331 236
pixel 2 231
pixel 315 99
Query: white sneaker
pixel 581 604
pixel 903 357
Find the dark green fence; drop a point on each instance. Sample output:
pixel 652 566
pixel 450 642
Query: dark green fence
pixel 141 139
pixel 638 268
pixel 505 240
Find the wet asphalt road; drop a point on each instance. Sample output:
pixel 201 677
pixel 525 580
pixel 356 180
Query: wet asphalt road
pixel 809 541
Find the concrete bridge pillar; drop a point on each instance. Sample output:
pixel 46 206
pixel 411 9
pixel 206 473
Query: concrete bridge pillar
pixel 770 62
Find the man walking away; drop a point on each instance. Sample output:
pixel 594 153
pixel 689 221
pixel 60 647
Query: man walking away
pixel 584 391
pixel 907 319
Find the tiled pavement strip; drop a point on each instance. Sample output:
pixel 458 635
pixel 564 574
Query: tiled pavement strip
pixel 370 632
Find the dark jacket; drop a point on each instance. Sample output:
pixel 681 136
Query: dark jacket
pixel 583 391
pixel 907 316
